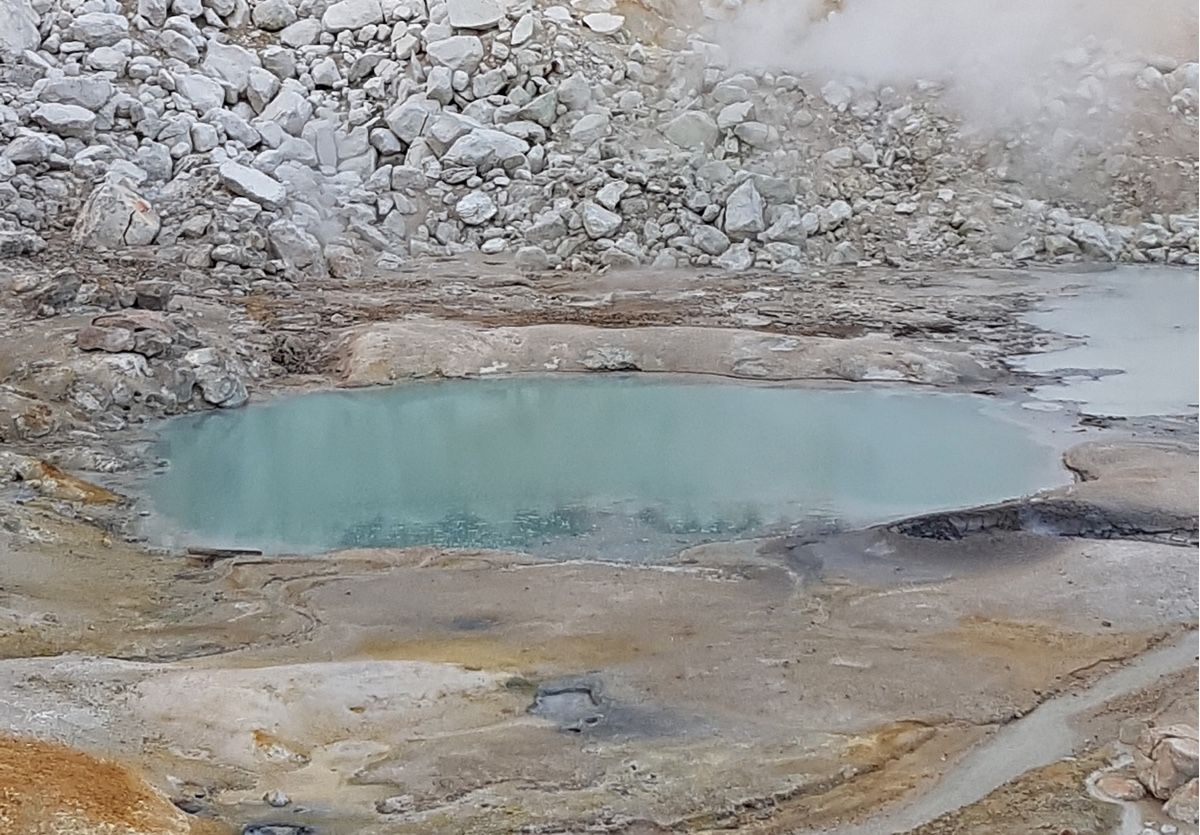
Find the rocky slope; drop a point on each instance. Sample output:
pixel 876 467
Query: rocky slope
pixel 279 138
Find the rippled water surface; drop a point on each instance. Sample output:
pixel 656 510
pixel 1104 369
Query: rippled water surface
pixel 610 466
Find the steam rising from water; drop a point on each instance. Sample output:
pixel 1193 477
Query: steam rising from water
pixel 1002 62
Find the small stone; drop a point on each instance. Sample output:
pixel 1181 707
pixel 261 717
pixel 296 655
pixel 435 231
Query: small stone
pixel 693 129
pixel 590 129
pixel 474 14
pixel 531 259
pixel 252 184
pixel 276 799
pixel 1120 788
pixel 301 33
pixel 109 340
pixel 395 805
pixel 65 119
pixel 97 29
pixel 475 209
pixel 736 258
pixel 114 216
pixel 599 222
pixel 710 240
pixel 19 31
pixel 734 114
pixel 523 30
pixel 603 23
pixel 273 15
pixel 152 294
pixel 1184 803
pixel 744 211
pixel 460 52
pixel 1174 763
pixel 351 14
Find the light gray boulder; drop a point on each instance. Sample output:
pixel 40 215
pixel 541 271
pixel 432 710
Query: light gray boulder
pixel 273 15
pixel 113 216
pixel 693 129
pixel 230 63
pixel 98 29
pixel 458 52
pixel 475 209
pixel 253 185
pixel 744 212
pixel 474 14
pixel 598 221
pixel 351 14
pixel 88 91
pixel 18 28
pixel 66 119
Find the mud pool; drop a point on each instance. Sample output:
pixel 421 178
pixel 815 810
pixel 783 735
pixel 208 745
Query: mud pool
pixel 568 466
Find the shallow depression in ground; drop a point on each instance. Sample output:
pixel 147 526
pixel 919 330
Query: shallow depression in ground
pixel 618 466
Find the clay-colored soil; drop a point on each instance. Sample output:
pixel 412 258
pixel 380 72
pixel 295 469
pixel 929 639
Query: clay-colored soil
pixel 50 789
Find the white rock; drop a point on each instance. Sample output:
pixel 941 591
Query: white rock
pixel 254 185
pixel 230 63
pixel 325 72
pixel 475 209
pixel 575 91
pixel 837 95
pixel 834 215
pixel 155 11
pixel 734 114
pixel 187 8
pixel 97 29
pixel 18 29
pixel 590 128
pixel 744 211
pixel 842 157
pixel 114 216
pixel 604 23
pixel 459 52
pixel 178 46
pixel 273 15
pixel 692 129
pixel 87 91
pixel 351 14
pixel 30 146
pixel 610 196
pixel 107 59
pixel 531 259
pixel 523 30
pixel 290 110
pixel 788 227
pixel 408 119
pixel 710 240
pixel 202 92
pixel 736 258
pixel 65 119
pixel 296 247
pixel 485 149
pixel 261 88
pixel 598 221
pixel 474 14
pixel 301 33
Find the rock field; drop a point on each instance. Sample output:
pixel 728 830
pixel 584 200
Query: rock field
pixel 277 139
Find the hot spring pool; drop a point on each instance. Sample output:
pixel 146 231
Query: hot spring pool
pixel 609 466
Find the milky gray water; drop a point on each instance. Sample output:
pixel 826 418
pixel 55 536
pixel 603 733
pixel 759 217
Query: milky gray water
pixel 1138 342
pixel 610 466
